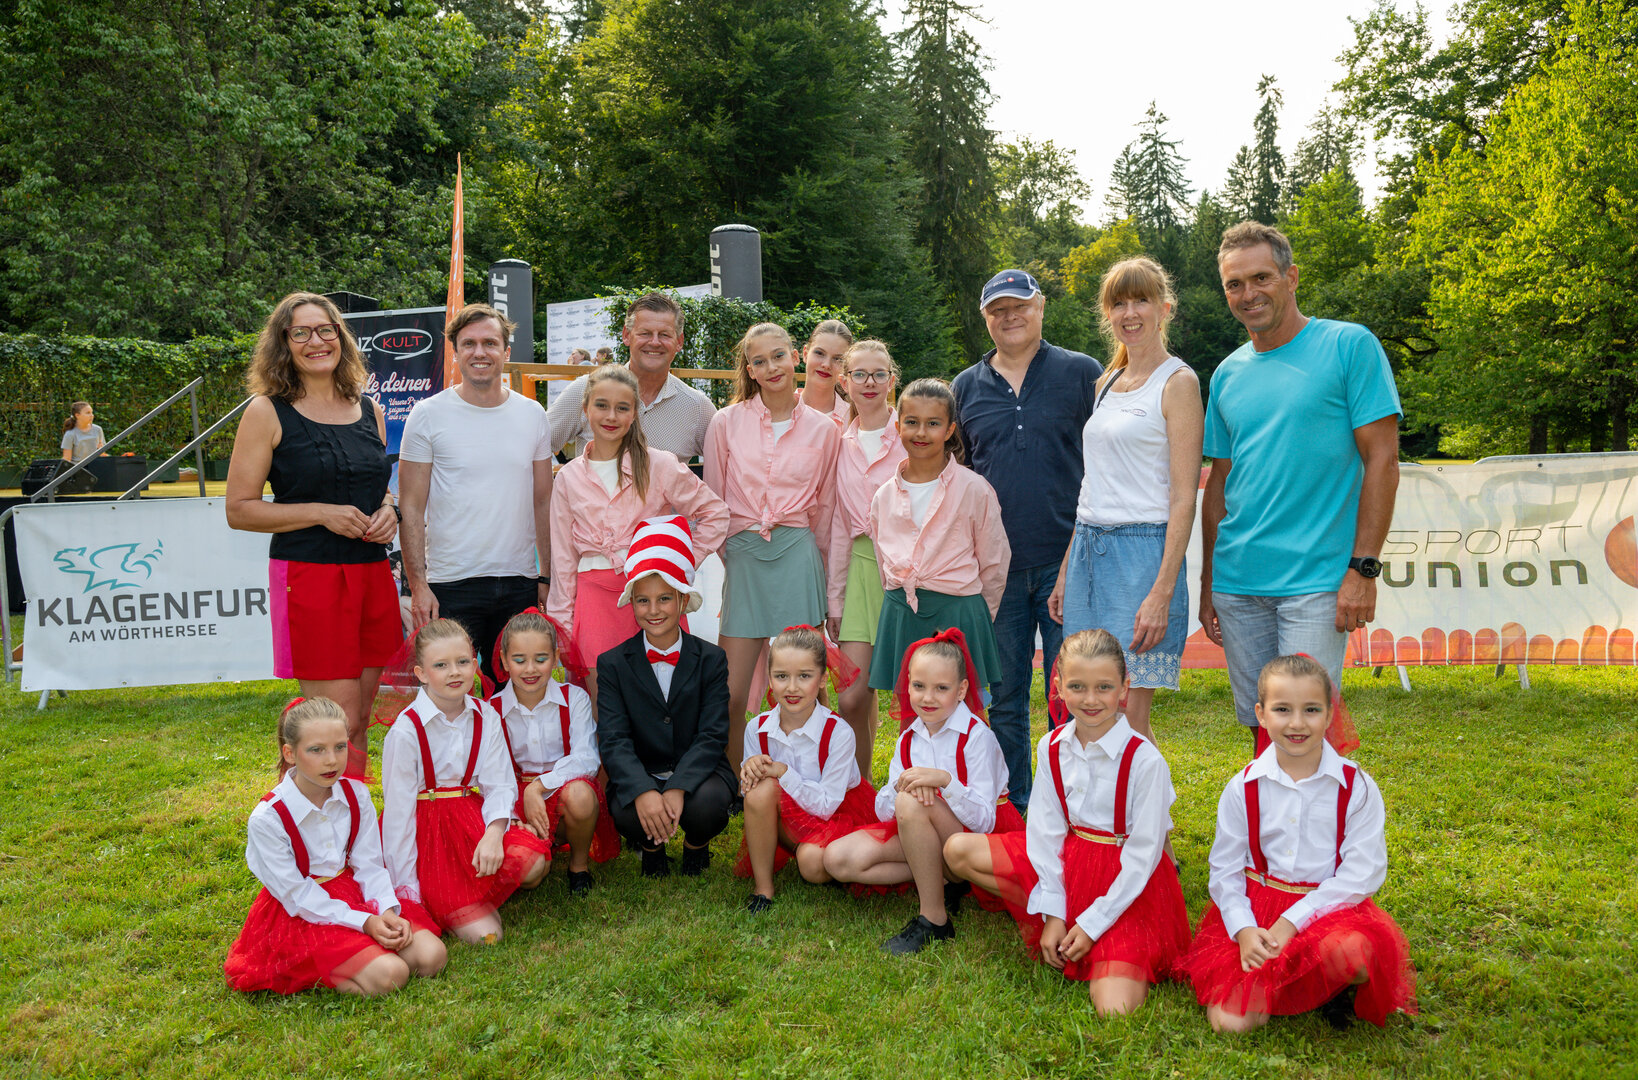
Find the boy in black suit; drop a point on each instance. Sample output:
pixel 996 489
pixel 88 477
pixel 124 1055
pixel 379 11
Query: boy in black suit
pixel 662 723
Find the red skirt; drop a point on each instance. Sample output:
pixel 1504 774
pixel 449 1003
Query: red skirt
pixel 286 954
pixel 1007 820
pixel 858 807
pixel 605 843
pixel 447 832
pixel 1314 967
pixel 1145 943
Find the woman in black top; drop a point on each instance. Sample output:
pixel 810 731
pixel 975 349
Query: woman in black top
pixel 322 444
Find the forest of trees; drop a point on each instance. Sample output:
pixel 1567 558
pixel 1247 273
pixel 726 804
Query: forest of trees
pixel 169 168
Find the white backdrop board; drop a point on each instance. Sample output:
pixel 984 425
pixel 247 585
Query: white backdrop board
pixel 582 324
pixel 144 593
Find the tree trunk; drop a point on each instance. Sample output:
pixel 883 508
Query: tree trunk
pixel 1538 434
pixel 1620 433
pixel 1598 430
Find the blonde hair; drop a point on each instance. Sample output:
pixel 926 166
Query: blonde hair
pixel 805 638
pixel 870 345
pixel 1139 278
pixel 297 715
pixel 745 387
pixel 943 650
pixel 272 371
pixel 634 445
pixel 939 390
pixel 1093 645
pixel 832 326
pixel 438 630
pixel 1296 667
pixel 525 622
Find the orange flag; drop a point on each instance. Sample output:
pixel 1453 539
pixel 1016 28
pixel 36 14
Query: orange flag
pixel 456 299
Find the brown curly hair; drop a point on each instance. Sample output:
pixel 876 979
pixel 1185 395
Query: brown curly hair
pixel 272 367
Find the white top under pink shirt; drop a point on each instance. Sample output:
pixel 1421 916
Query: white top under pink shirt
pixel 1090 773
pixel 324 830
pixel 769 480
pixel 959 548
pixel 864 462
pixel 973 802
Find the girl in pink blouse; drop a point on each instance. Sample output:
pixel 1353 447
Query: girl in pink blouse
pixel 870 456
pixel 597 501
pixel 773 461
pixel 939 541
pixel 823 361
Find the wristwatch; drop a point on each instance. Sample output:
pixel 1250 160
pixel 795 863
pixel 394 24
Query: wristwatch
pixel 1366 566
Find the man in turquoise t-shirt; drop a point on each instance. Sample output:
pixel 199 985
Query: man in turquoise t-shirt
pixel 1302 426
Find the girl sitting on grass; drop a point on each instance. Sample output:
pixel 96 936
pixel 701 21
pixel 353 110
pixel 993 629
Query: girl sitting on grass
pixel 327 913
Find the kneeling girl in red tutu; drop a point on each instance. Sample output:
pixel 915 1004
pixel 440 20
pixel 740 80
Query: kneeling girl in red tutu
pixel 551 737
pixel 1090 882
pixel 800 775
pixel 327 913
pixel 947 776
pixel 1299 852
pixel 448 794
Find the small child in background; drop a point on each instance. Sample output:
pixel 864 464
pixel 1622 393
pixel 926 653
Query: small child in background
pixel 1300 851
pixel 799 777
pixel 327 913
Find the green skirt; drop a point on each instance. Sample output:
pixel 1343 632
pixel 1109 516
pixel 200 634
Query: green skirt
pixel 900 627
pixel 771 584
pixel 862 603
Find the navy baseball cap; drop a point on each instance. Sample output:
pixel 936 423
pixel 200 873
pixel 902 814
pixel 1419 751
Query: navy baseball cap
pixel 1009 283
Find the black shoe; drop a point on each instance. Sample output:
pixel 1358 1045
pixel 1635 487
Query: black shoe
pixel 694 861
pixel 953 892
pixel 917 934
pixel 580 882
pixel 656 863
pixel 756 903
pixel 736 805
pixel 1339 1011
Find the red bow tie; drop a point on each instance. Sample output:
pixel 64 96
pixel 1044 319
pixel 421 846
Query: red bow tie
pixel 664 657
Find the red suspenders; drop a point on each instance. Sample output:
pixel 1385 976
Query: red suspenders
pixel 1345 794
pixel 961 753
pixel 824 743
pixel 1122 782
pixel 429 774
pixel 562 715
pixel 297 846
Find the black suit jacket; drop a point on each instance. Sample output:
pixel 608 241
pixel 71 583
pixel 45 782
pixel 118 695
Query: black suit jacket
pixel 640 732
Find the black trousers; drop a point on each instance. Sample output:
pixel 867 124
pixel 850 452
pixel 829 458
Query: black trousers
pixel 704 815
pixel 483 605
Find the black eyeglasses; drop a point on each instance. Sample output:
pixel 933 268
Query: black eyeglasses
pixel 325 331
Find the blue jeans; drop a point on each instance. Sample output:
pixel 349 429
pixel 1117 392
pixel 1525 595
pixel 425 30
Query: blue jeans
pixel 1023 611
pixel 1256 629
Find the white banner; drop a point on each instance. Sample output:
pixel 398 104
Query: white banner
pixel 583 324
pixel 144 593
pixel 1510 560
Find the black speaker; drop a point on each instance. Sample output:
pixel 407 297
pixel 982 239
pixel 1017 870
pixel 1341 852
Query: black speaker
pixel 41 471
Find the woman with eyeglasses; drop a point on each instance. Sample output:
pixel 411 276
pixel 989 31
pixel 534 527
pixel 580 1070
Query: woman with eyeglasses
pixel 322 445
pixel 869 457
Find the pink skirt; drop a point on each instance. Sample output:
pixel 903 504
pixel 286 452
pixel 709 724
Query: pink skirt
pixel 1314 967
pixel 1147 940
pixel 858 807
pixel 447 832
pixel 286 954
pixel 605 843
pixel 599 622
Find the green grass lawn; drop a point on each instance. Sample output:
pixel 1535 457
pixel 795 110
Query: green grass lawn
pixel 1511 831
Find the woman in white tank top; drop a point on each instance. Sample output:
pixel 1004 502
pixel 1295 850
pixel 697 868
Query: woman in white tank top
pixel 1123 571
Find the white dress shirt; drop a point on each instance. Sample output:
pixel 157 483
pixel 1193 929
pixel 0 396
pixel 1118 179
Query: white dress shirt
pixel 451 745
pixel 324 831
pixel 1299 837
pixel 536 734
pixel 817 791
pixel 973 802
pixel 1091 773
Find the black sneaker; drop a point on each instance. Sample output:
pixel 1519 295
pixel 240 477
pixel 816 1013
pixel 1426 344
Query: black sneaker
pixel 694 861
pixel 580 882
pixel 1339 1011
pixel 656 863
pixel 953 892
pixel 756 903
pixel 917 934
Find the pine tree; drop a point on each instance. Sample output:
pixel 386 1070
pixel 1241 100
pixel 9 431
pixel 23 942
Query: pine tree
pixel 1331 144
pixel 1268 164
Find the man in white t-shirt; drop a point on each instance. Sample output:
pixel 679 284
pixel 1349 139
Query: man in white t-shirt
pixel 475 488
pixel 674 415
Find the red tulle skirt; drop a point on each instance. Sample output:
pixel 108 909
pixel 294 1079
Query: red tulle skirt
pixel 447 832
pixel 1145 943
pixel 605 843
pixel 858 807
pixel 1007 820
pixel 286 954
pixel 1314 967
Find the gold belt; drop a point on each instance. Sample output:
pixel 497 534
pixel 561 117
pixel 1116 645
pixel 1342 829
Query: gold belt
pixel 446 793
pixel 1099 838
pixel 327 880
pixel 1278 883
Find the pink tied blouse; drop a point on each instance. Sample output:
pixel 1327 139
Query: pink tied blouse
pixel 857 481
pixel 960 549
pixel 769 482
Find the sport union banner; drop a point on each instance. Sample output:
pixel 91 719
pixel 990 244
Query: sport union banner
pixel 142 593
pixel 1509 561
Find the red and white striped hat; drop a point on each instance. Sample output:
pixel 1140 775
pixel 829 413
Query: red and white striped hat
pixel 663 546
